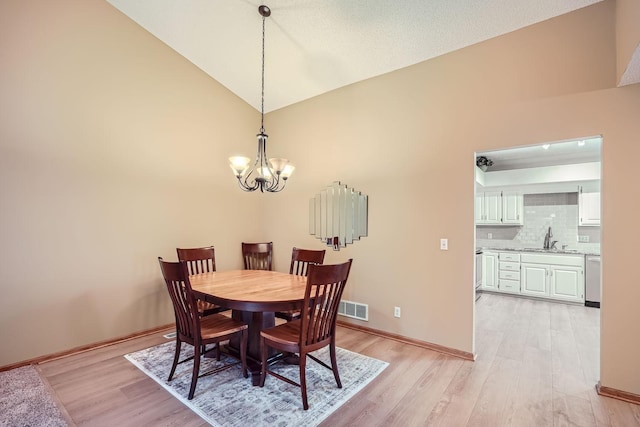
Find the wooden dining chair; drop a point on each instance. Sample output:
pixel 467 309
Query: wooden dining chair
pixel 201 260
pixel 301 259
pixel 316 327
pixel 257 256
pixel 193 329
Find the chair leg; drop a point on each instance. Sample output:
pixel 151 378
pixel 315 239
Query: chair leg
pixel 176 356
pixel 196 371
pixel 303 380
pixel 244 337
pixel 334 363
pixel 263 360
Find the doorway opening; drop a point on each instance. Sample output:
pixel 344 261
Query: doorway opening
pixel 537 224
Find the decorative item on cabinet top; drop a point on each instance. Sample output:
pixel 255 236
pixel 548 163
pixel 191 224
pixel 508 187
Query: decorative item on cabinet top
pixel 338 215
pixel 483 163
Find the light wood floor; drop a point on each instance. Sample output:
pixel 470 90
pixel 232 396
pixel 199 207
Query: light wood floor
pixel 537 365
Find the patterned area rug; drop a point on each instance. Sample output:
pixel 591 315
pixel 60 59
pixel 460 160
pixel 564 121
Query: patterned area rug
pixel 228 399
pixel 25 400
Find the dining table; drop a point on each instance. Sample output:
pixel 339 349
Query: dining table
pixel 253 296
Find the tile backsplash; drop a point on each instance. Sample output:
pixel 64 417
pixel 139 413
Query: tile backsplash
pixel 541 211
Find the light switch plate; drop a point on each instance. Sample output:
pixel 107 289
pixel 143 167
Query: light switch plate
pixel 444 244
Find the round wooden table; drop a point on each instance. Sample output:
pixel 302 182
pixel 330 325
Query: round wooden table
pixel 253 295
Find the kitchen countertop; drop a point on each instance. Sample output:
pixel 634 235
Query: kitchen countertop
pixel 544 251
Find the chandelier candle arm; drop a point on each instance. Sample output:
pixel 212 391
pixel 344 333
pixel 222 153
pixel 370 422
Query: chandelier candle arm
pixel 266 174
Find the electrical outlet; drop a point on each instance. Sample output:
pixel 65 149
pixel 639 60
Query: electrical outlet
pixel 583 239
pixel 489 235
pixel 396 312
pixel 444 244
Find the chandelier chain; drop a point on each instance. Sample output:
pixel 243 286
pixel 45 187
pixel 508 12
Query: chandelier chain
pixel 262 94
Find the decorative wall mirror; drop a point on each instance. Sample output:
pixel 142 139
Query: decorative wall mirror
pixel 338 215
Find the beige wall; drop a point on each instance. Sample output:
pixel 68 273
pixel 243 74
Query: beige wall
pixel 408 138
pixel 627 33
pixel 104 132
pixel 112 152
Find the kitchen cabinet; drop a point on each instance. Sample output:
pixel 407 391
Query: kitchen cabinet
pixel 509 272
pixel 499 207
pixel 489 207
pixel 489 271
pixel 559 277
pixel 512 207
pixel 588 206
pixel 534 280
pixel 567 283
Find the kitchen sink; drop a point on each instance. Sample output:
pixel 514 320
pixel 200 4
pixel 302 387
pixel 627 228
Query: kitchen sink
pixel 552 251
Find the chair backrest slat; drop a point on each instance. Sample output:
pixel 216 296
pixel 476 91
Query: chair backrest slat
pixel 325 285
pixel 257 256
pixel 302 258
pixel 176 277
pixel 199 260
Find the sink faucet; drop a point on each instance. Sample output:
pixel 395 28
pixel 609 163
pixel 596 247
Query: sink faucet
pixel 548 244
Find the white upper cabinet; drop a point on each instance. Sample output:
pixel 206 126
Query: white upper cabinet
pixel 588 206
pixel 489 207
pixel 493 207
pixel 499 207
pixel 512 208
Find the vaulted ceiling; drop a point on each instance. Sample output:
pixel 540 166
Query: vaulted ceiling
pixel 315 46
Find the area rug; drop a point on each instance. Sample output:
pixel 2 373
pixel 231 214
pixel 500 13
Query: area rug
pixel 228 399
pixel 25 400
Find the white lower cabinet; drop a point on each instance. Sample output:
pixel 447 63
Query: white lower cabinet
pixel 509 272
pixel 558 277
pixel 489 271
pixel 534 280
pixel 543 275
pixel 567 283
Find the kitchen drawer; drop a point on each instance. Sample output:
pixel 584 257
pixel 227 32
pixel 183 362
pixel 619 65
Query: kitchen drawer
pixel 510 275
pixel 512 286
pixel 553 259
pixel 511 266
pixel 509 256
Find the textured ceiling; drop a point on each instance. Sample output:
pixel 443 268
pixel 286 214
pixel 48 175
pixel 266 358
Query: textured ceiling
pixel 582 150
pixel 315 46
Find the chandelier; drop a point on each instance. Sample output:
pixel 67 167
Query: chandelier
pixel 267 175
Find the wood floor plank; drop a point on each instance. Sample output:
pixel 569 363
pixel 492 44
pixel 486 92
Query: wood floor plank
pixel 491 406
pixel 426 392
pixel 458 400
pixel 570 410
pixel 537 365
pixel 539 333
pixel 622 414
pixel 568 375
pixel 530 403
pixel 382 396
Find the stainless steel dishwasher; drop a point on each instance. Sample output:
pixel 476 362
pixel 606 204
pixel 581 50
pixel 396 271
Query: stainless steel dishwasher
pixel 593 288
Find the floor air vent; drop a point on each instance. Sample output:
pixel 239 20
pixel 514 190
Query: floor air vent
pixel 354 310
